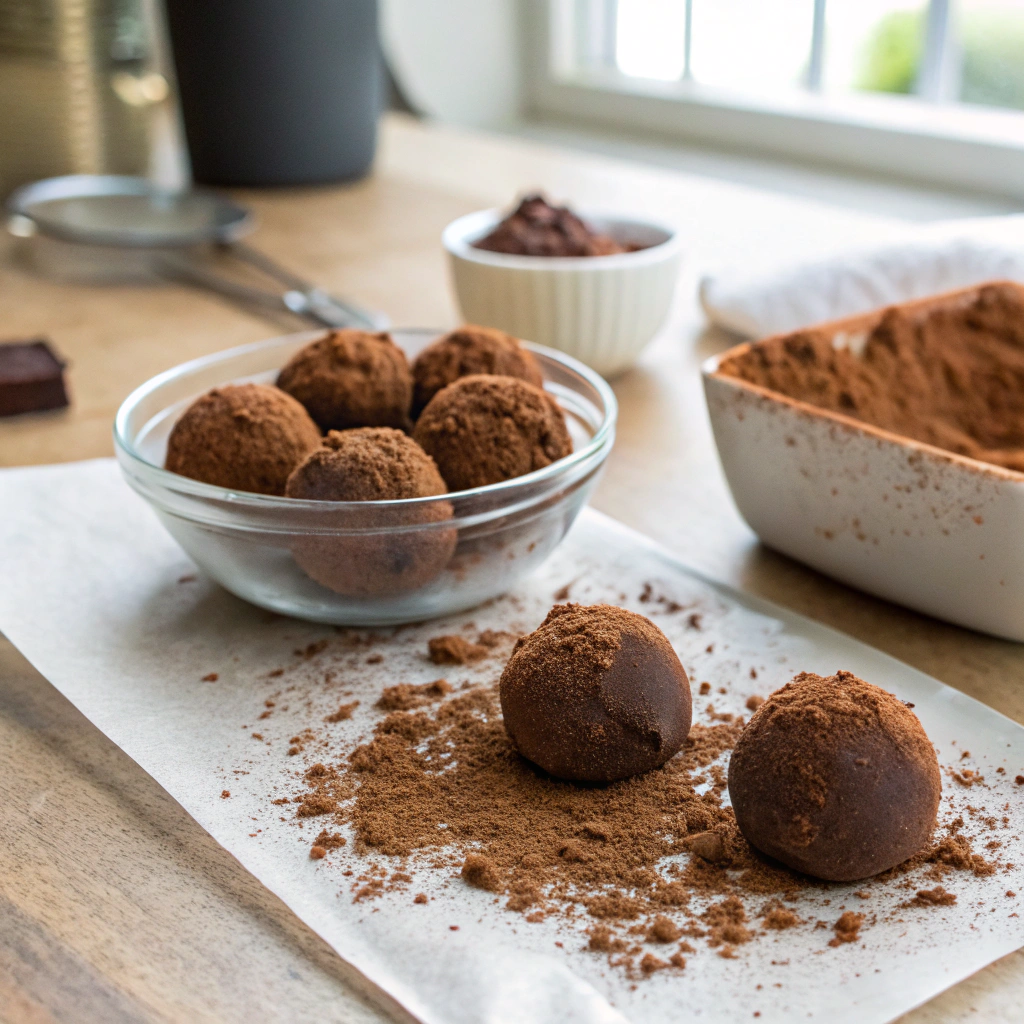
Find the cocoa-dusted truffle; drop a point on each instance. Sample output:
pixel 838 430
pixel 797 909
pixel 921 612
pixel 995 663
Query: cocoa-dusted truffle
pixel 484 429
pixel 595 694
pixel 835 777
pixel 351 378
pixel 246 437
pixel 470 350
pixel 536 228
pixel 370 465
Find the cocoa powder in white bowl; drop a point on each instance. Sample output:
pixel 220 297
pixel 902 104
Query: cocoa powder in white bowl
pixel 603 310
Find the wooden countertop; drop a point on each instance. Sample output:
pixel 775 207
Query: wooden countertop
pixel 114 905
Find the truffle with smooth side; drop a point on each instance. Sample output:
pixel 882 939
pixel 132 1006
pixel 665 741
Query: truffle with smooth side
pixel 595 694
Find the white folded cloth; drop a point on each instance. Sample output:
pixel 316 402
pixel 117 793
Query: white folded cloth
pixel 935 258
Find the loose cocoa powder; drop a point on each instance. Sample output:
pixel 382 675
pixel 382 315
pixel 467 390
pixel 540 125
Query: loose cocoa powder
pixel 952 377
pixel 653 857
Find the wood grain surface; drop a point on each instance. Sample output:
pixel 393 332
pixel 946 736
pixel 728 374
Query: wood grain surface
pixel 114 905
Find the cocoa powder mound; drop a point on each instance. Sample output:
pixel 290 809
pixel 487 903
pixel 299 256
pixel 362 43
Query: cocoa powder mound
pixel 537 228
pixel 952 377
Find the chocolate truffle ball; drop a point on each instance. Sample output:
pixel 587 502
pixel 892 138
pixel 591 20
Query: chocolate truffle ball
pixel 470 350
pixel 246 437
pixel 484 429
pixel 595 694
pixel 369 465
pixel 351 378
pixel 836 778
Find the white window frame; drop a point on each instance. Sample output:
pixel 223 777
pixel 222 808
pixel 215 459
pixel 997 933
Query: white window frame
pixel 946 144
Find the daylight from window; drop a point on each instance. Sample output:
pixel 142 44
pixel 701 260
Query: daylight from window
pixel 968 51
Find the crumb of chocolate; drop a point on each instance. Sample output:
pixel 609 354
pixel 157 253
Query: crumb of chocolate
pixel 754 702
pixel 778 918
pixel 537 228
pixel 225 793
pixel 455 650
pixel 480 872
pixel 937 897
pixel 317 853
pixel 663 929
pixel 651 963
pixel 210 677
pixel 705 688
pixel 420 897
pixel 847 928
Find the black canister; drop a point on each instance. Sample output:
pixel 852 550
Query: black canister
pixel 277 92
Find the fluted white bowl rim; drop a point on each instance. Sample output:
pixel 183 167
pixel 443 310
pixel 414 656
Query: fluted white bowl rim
pixel 458 238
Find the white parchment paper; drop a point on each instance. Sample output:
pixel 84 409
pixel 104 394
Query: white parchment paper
pixel 108 608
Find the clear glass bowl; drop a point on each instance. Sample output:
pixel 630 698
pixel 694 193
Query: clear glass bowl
pixel 385 562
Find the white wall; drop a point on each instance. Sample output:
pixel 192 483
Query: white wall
pixel 456 60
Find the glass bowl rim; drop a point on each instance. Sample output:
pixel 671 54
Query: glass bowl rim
pixel 241 500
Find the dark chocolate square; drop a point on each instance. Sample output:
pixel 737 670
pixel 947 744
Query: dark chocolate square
pixel 31 378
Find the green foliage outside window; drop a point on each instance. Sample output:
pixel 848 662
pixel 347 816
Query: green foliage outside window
pixel 992 56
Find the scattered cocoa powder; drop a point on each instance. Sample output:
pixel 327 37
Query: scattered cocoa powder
pixel 647 859
pixel 951 376
pixel 405 696
pixel 456 650
pixel 344 712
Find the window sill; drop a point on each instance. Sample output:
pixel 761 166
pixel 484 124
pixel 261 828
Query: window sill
pixel 963 147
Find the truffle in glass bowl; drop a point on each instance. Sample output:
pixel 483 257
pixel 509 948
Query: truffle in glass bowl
pixel 253 544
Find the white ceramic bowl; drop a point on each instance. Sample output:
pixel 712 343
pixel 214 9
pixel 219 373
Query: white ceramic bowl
pixel 601 309
pixel 937 532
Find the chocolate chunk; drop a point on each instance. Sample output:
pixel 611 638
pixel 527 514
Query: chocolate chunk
pixel 31 378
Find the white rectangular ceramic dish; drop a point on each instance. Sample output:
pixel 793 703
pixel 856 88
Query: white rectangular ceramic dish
pixel 935 531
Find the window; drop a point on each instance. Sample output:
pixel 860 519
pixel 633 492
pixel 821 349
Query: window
pixel 932 89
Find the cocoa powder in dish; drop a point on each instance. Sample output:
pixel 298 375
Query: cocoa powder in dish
pixel 952 377
pixel 537 228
